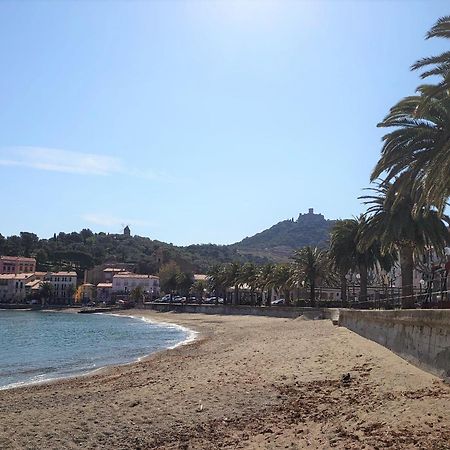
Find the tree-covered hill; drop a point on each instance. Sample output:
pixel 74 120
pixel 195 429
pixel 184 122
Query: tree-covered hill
pixel 280 240
pixel 85 249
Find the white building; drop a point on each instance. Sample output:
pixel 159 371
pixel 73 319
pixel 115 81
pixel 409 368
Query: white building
pixel 12 287
pixel 64 285
pixel 124 283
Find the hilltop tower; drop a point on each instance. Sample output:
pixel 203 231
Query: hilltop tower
pixel 127 231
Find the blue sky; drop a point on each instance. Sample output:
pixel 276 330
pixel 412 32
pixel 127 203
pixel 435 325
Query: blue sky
pixel 197 121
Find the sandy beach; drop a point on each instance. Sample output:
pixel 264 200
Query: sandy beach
pixel 246 382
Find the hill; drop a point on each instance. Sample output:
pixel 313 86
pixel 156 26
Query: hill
pixel 85 249
pixel 279 241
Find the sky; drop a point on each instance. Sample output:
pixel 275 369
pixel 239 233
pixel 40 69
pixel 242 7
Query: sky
pixel 197 121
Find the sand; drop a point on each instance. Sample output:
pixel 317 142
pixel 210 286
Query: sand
pixel 248 383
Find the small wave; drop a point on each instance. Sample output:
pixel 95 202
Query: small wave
pixel 191 335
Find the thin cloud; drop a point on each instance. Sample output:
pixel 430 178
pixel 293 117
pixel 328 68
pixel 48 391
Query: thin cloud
pixel 56 160
pixel 65 161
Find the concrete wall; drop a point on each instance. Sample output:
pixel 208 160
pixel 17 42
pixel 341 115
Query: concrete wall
pixel 422 337
pixel 289 312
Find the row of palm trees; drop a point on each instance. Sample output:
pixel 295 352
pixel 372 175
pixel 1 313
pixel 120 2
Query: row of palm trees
pixel 310 267
pixel 405 208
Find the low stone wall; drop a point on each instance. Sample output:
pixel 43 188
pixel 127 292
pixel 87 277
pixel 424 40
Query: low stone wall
pixel 289 312
pixel 422 337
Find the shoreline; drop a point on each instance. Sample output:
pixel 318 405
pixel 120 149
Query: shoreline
pixel 191 336
pixel 245 382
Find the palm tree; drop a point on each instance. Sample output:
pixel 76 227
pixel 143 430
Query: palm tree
pixel 265 280
pixel 233 278
pixel 198 288
pixel 437 65
pixel 46 292
pixel 347 254
pixel 390 219
pixel 416 153
pixel 137 295
pixel 311 267
pixel 283 280
pixel 342 243
pixel 70 293
pixel 217 281
pixel 249 276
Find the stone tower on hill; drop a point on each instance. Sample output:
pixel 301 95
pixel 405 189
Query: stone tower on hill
pixel 310 216
pixel 127 231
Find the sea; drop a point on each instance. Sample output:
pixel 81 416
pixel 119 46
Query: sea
pixel 38 346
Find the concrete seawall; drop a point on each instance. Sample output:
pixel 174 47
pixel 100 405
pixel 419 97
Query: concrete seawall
pixel 422 337
pixel 289 312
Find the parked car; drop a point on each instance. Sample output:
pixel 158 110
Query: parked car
pixel 163 299
pixel 32 302
pixel 213 300
pixel 280 301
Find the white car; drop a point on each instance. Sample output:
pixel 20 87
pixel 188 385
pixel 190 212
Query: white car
pixel 280 301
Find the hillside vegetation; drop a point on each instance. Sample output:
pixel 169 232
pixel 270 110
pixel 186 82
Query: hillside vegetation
pixel 85 249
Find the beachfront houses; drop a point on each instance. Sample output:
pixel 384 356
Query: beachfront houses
pixel 17 264
pixel 13 287
pixel 63 284
pixel 123 284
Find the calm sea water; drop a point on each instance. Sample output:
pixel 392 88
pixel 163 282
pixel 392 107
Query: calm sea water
pixel 40 346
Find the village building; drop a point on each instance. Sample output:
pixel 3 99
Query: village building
pixel 17 264
pixel 64 285
pixel 124 283
pixel 13 287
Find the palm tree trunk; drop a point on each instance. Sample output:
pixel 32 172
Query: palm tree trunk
pixel 407 270
pixel 343 289
pixel 236 295
pixel 362 283
pixel 287 296
pixel 269 297
pixel 312 294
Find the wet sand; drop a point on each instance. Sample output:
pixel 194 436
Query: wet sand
pixel 247 382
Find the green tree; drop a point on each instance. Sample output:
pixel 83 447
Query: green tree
pixel 46 293
pixel 390 220
pixel 70 293
pixel 29 242
pixel 184 282
pixel 312 267
pixel 233 278
pixel 85 234
pixel 266 280
pixel 217 281
pixel 137 295
pixel 249 276
pixel 437 66
pixel 198 289
pixel 416 153
pixel 13 246
pixel 284 280
pixel 168 277
pixel 347 254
